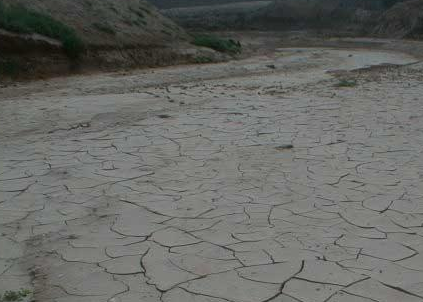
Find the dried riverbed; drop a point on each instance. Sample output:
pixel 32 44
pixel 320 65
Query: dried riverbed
pixel 287 177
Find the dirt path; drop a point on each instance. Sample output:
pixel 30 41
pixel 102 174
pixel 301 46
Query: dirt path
pixel 255 180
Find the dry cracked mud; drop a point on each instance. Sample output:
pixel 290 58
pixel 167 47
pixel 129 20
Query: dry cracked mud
pixel 228 182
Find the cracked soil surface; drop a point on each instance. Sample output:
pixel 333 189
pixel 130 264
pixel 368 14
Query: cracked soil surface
pixel 248 181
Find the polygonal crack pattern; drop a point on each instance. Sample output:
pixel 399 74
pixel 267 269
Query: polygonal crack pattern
pixel 206 206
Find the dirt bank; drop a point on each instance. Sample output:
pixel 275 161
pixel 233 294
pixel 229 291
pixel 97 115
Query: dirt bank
pixel 113 34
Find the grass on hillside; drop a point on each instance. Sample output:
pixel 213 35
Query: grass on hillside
pixel 218 44
pixel 106 28
pixel 17 18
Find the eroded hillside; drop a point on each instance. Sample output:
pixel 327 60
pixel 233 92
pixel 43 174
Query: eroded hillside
pixel 109 22
pixel 113 34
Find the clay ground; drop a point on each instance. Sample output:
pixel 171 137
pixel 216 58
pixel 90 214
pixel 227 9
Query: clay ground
pixel 264 179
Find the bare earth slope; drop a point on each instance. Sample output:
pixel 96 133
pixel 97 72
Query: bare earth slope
pixel 232 182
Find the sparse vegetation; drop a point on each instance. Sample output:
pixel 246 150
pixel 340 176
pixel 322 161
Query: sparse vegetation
pixel 140 18
pixel 139 22
pixel 88 4
pixel 106 28
pixel 145 10
pixel 18 19
pixel 165 32
pixel 114 9
pixel 218 44
pixel 346 83
pixel 203 60
pixel 12 296
pixel 140 14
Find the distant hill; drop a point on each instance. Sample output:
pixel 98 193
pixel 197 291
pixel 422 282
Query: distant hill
pixel 321 13
pixel 271 15
pixel 163 4
pixel 235 15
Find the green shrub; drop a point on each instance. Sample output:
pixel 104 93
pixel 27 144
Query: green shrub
pixel 218 44
pixel 203 60
pixel 346 83
pixel 12 296
pixel 18 19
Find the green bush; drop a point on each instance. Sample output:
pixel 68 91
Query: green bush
pixel 346 83
pixel 203 60
pixel 18 19
pixel 218 44
pixel 12 296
